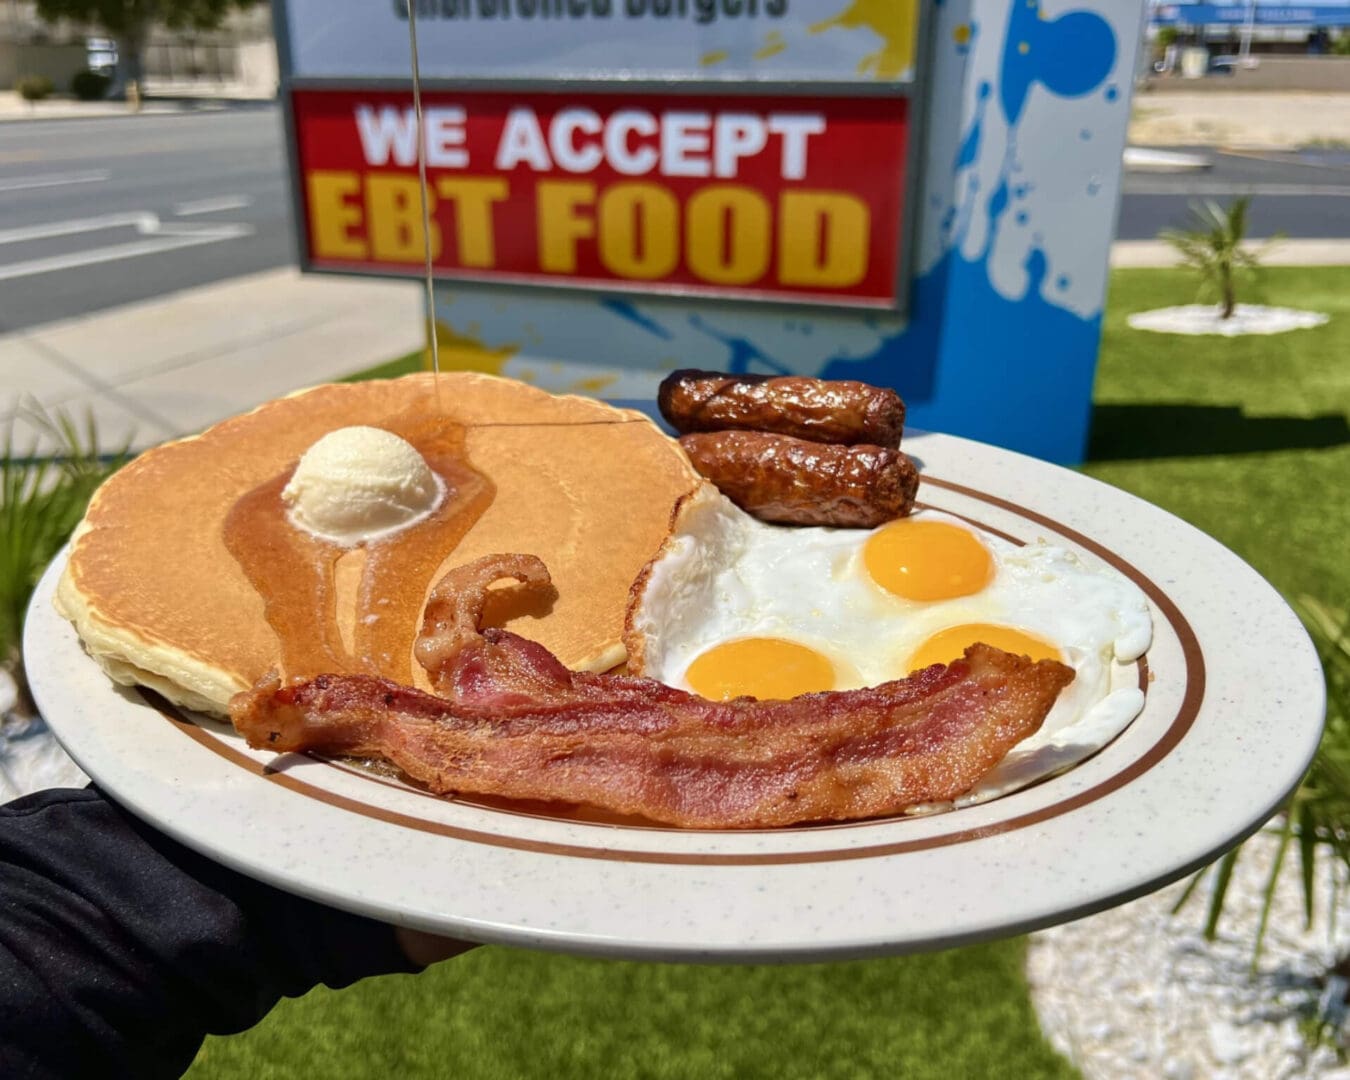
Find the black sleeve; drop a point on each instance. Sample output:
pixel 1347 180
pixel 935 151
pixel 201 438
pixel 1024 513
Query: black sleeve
pixel 120 950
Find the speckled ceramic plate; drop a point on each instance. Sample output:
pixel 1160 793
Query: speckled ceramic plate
pixel 1234 708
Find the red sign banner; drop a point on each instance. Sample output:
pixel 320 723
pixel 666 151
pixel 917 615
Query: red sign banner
pixel 783 198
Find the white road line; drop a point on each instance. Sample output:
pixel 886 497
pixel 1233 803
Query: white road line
pixel 45 180
pixel 158 237
pixel 212 206
pixel 140 220
pixel 1202 188
pixel 115 252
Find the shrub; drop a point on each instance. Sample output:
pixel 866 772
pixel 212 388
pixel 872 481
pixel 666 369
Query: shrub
pixel 90 85
pixel 42 499
pixel 1317 816
pixel 33 87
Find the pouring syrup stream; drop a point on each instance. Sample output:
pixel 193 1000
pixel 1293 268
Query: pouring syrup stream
pixel 422 188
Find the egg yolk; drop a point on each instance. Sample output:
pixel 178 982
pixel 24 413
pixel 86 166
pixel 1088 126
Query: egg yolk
pixel 928 560
pixel 950 644
pixel 759 667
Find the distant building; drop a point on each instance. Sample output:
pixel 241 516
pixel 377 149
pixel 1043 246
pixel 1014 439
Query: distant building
pixel 240 54
pixel 1273 28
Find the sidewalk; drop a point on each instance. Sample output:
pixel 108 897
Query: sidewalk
pixel 1138 254
pixel 163 99
pixel 164 368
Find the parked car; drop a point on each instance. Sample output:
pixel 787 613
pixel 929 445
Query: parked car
pixel 101 55
pixel 1223 64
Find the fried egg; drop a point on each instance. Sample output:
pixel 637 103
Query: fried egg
pixel 732 606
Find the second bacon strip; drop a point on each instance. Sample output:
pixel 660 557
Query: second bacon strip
pixel 516 723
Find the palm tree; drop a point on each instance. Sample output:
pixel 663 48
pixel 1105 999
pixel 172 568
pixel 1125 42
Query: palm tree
pixel 1212 247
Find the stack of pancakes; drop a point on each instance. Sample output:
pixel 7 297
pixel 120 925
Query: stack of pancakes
pixel 159 600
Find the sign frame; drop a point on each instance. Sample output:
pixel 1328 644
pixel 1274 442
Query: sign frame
pixel 913 90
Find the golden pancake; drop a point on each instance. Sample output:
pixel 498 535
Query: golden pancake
pixel 159 599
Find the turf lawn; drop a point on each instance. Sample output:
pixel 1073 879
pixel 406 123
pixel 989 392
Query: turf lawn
pixel 1246 438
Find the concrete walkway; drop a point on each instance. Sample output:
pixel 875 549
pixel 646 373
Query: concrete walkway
pixel 163 98
pixel 14 108
pixel 156 370
pixel 1155 253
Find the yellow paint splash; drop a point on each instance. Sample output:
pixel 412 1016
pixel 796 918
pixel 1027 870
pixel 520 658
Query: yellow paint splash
pixel 894 21
pixel 961 35
pixel 711 59
pixel 592 385
pixel 774 43
pixel 462 352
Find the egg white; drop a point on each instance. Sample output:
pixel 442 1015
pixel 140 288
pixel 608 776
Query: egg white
pixel 724 575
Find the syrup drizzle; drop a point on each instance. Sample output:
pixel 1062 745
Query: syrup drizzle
pixel 293 571
pixel 422 187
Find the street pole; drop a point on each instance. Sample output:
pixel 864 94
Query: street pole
pixel 1245 48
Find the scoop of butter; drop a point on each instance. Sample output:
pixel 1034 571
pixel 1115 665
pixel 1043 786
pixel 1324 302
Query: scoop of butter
pixel 358 484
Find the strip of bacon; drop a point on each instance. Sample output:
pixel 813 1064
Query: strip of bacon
pixel 515 723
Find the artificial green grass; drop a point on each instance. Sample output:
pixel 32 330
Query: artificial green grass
pixel 1246 438
pixel 498 1013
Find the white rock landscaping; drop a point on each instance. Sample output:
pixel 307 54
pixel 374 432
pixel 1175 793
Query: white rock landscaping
pixel 1137 992
pixel 1206 319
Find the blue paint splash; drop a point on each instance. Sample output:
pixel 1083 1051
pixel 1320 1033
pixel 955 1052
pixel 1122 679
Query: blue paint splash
pixel 994 382
pixel 1070 56
pixel 627 310
pixel 745 356
pixel 970 145
pixel 966 320
pixel 998 206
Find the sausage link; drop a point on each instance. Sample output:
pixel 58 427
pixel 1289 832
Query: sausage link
pixel 830 411
pixel 797 482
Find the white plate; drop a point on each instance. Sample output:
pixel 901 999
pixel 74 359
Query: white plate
pixel 1235 702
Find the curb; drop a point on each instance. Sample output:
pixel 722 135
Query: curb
pixel 117 111
pixel 1157 255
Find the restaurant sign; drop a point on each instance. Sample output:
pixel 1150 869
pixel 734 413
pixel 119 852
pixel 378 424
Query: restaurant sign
pixel 841 41
pixel 754 196
pixel 736 149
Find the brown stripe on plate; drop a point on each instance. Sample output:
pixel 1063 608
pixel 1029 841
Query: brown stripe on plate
pixel 1192 696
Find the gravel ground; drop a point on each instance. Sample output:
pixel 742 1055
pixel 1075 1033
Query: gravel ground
pixel 30 757
pixel 1246 119
pixel 1137 992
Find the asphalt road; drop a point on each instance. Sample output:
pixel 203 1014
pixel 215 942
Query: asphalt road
pixel 97 213
pixel 1304 194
